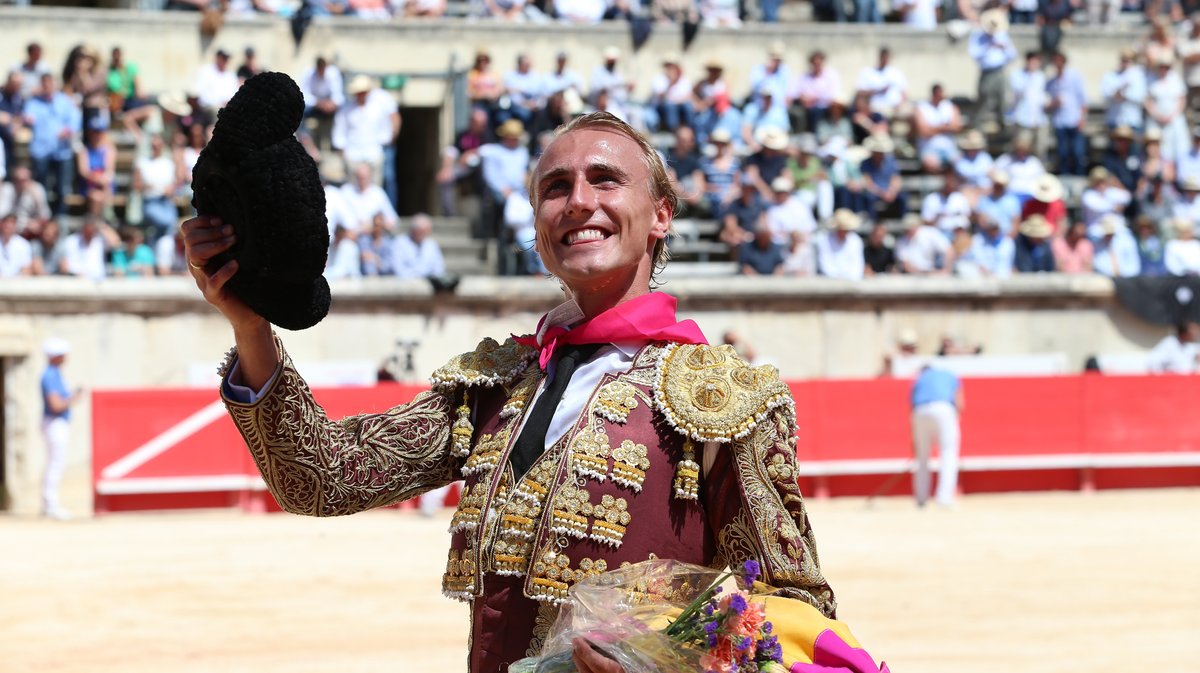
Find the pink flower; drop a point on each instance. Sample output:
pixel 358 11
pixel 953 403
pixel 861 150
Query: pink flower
pixel 711 664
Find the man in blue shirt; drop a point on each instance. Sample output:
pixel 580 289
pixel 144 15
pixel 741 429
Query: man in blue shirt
pixel 1068 103
pixel 992 49
pixel 937 400
pixel 55 122
pixel 56 416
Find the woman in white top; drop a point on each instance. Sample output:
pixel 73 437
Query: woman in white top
pixel 1165 104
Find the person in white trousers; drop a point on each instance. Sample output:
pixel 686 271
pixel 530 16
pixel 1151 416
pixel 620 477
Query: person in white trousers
pixel 937 401
pixel 56 427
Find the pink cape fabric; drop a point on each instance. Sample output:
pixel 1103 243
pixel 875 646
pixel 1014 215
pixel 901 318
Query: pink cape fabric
pixel 650 317
pixel 831 654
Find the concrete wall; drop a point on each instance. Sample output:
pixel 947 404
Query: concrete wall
pixel 168 46
pixel 157 333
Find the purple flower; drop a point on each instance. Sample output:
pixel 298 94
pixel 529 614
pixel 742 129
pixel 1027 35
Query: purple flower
pixel 737 604
pixel 708 609
pixel 767 627
pixel 712 641
pixel 752 570
pixel 710 627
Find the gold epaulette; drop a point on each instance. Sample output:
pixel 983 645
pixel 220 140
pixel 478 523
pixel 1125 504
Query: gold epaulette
pixel 710 394
pixel 490 364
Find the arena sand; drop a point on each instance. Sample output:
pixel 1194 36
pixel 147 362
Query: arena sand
pixel 1031 583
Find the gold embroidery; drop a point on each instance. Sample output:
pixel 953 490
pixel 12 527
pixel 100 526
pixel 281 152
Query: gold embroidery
pixel 488 365
pixel 693 389
pixel 521 394
pixel 630 462
pixel 687 474
pixel 486 455
pixel 520 516
pixel 459 580
pixel 615 400
pixel 319 467
pixel 611 518
pixel 553 576
pixel 546 614
pixel 570 503
pixel 589 453
pixel 463 430
pixel 470 508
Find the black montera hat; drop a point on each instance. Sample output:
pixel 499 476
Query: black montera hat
pixel 255 176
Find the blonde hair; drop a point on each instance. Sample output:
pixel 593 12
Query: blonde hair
pixel 661 189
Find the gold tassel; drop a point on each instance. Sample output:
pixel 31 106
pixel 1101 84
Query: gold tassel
pixel 463 431
pixel 687 474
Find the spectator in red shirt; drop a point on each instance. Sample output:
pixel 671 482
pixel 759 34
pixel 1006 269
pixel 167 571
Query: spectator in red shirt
pixel 1047 201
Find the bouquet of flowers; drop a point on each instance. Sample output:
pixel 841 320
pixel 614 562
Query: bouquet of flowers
pixel 662 616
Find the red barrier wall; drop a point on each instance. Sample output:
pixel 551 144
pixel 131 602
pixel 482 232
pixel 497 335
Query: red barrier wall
pixel 184 438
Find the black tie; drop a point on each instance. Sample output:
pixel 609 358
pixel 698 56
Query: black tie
pixel 532 440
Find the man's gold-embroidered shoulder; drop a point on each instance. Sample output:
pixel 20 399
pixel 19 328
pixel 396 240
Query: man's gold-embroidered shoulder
pixel 709 393
pixel 490 364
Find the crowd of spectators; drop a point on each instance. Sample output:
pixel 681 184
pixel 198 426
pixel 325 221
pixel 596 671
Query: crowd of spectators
pixel 799 178
pixel 1053 16
pixel 796 174
pixel 62 211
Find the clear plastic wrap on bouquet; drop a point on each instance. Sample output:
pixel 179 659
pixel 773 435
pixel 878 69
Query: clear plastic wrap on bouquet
pixel 624 614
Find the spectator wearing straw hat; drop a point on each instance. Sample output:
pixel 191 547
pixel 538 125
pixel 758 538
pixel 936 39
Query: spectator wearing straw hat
pixel 922 249
pixel 1187 206
pixel 769 161
pixel 1032 250
pixel 840 248
pixel 1124 92
pixel 1104 195
pixel 1116 254
pixel 711 100
pixel 1166 105
pixel 1182 254
pixel 1119 159
pixel 883 189
pixel 998 205
pixel 788 212
pixel 1047 201
pixel 362 127
pixel 505 164
pixel 938 121
pixel 974 165
pixel 1068 105
pixel 992 49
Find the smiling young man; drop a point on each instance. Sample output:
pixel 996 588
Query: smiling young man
pixel 611 435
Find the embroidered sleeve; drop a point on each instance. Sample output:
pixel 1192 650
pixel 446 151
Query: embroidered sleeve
pixel 756 509
pixel 320 467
